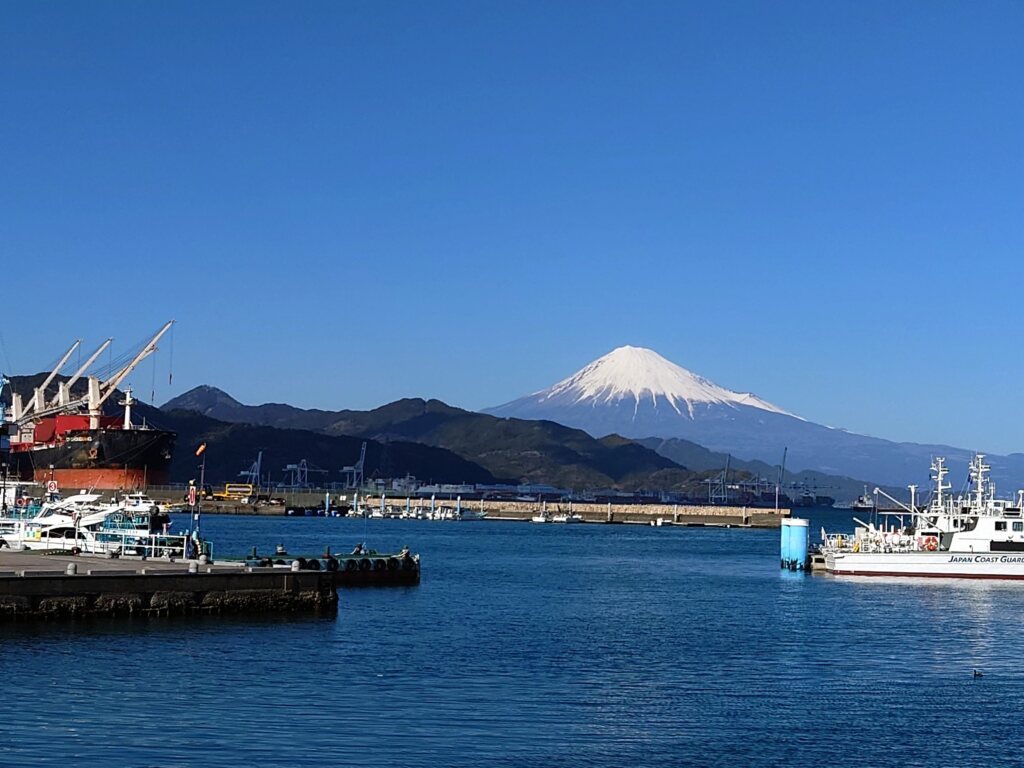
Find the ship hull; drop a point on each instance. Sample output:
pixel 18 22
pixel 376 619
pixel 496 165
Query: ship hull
pixel 102 459
pixel 948 565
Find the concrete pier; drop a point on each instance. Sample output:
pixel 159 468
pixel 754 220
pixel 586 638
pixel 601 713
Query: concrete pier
pixel 33 585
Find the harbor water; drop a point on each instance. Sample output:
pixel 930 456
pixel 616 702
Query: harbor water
pixel 538 645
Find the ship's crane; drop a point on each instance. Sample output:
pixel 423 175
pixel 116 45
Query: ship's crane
pixel 38 401
pixel 98 392
pixel 64 388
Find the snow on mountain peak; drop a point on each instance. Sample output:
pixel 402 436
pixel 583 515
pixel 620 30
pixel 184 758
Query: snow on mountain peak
pixel 638 373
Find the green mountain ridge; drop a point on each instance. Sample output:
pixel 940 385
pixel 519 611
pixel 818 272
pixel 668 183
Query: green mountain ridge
pixel 528 451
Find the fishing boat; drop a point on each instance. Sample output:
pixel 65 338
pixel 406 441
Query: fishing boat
pixel 973 535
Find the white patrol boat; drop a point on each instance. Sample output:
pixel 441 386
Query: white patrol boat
pixel 973 536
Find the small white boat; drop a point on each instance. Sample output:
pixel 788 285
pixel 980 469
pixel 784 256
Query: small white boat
pixel 540 518
pixel 139 502
pixel 567 517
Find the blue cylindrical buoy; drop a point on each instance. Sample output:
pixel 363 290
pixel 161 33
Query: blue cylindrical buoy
pixel 784 530
pixel 794 538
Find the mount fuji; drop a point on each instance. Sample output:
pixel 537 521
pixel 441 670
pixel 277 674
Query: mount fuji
pixel 637 393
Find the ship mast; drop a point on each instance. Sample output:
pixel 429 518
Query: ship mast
pixel 979 469
pixel 940 471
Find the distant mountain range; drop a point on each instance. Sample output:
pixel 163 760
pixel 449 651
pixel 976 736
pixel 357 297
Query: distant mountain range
pixel 698 458
pixel 636 393
pixel 516 450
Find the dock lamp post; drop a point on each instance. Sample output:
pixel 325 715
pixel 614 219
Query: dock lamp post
pixel 197 508
pixel 3 493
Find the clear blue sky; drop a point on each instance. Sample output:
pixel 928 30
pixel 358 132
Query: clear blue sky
pixel 345 203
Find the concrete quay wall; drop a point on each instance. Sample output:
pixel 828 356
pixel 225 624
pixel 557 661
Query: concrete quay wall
pixel 45 594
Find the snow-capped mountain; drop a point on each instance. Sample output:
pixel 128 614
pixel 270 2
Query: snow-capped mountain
pixel 637 375
pixel 637 393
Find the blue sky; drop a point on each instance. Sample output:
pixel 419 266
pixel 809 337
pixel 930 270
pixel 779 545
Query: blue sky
pixel 345 203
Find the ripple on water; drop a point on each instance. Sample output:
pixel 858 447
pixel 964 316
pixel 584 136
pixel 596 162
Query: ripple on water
pixel 537 646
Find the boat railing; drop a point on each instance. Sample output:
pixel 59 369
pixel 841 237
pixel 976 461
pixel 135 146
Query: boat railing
pixel 150 545
pixel 869 541
pixel 23 513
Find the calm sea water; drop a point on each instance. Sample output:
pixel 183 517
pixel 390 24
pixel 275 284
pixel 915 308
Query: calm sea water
pixel 529 645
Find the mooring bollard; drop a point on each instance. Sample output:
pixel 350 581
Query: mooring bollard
pixel 193 567
pixel 295 565
pixel 72 569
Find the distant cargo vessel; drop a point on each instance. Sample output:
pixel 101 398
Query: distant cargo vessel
pixel 69 441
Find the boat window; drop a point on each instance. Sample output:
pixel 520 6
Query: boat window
pixel 1018 526
pixel 1000 525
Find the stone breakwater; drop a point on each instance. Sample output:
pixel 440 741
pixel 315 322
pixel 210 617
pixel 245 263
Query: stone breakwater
pixel 679 514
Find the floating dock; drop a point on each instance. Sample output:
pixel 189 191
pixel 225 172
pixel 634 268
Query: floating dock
pixel 37 585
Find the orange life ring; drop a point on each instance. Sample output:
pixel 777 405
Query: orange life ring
pixel 93 453
pixel 21 501
pixel 931 543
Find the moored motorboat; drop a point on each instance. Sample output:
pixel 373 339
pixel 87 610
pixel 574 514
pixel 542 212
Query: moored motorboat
pixel 567 517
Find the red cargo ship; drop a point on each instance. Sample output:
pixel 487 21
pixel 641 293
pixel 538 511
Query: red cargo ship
pixel 70 440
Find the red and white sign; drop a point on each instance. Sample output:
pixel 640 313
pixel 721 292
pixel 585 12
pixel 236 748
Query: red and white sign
pixel 191 495
pixel 51 487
